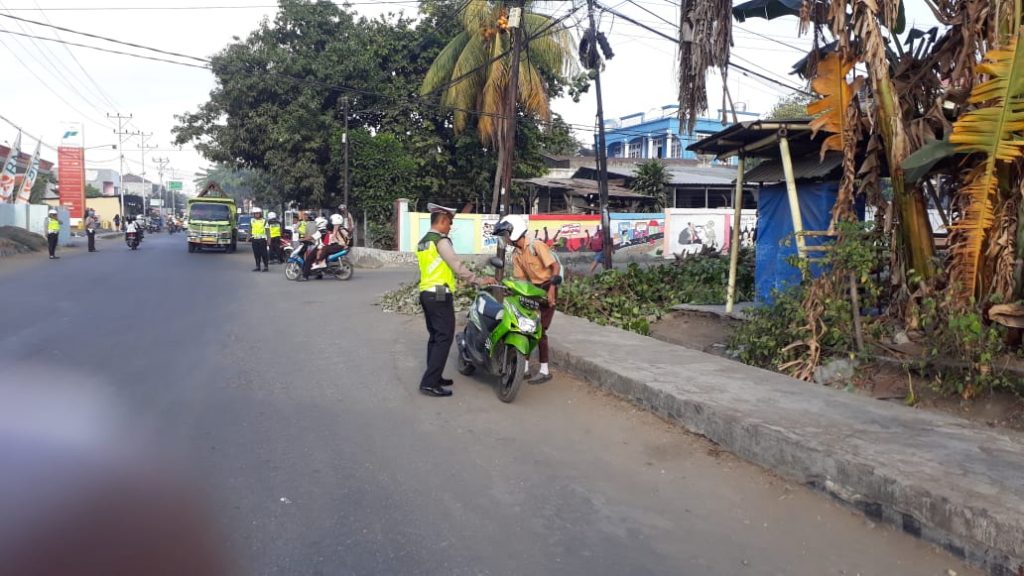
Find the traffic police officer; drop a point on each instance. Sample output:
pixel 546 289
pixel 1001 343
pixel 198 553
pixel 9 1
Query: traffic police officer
pixel 274 232
pixel 439 266
pixel 52 233
pixel 259 240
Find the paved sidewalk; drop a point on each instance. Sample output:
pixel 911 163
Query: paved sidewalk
pixel 936 476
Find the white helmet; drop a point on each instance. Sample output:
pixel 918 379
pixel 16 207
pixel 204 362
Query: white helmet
pixel 52 211
pixel 257 210
pixel 514 225
pixel 321 223
pixel 272 216
pixel 337 220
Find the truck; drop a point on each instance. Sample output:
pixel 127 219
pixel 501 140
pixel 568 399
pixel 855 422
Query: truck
pixel 212 220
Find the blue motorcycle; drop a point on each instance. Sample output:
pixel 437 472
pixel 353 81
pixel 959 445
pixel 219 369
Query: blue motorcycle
pixel 337 265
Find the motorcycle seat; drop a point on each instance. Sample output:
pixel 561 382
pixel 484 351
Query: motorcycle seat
pixel 489 309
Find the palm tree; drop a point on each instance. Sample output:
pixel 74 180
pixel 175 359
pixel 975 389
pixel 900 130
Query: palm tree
pixel 472 71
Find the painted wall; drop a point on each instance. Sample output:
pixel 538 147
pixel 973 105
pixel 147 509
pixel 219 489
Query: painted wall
pixel 471 233
pixel 690 230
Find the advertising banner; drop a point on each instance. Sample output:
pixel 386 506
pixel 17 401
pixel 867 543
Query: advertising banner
pixel 25 194
pixel 71 171
pixel 10 171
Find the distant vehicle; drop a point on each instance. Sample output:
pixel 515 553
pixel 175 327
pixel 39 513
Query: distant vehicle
pixel 211 221
pixel 244 228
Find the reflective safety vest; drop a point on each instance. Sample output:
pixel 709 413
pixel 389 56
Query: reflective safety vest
pixel 52 226
pixel 259 228
pixel 302 228
pixel 434 271
pixel 275 230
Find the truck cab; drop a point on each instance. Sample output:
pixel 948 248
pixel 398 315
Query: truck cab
pixel 212 223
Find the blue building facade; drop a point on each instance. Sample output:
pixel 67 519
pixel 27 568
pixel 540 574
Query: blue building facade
pixel 657 134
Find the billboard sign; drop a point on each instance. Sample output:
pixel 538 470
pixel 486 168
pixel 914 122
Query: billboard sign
pixel 71 170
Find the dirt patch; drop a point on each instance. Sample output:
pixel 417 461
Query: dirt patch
pixel 885 381
pixel 15 240
pixel 694 330
pixel 893 383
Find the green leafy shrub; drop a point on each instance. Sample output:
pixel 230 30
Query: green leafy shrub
pixel 633 298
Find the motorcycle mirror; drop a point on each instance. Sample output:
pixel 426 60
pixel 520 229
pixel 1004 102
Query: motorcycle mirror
pixel 496 262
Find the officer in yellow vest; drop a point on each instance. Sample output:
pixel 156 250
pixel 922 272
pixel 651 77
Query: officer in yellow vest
pixel 274 234
pixel 259 240
pixel 52 233
pixel 439 266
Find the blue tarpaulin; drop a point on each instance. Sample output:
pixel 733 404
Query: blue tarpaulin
pixel 775 242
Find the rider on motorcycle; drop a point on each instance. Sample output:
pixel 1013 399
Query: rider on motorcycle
pixel 316 236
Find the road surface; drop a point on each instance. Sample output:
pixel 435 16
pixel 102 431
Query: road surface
pixel 296 406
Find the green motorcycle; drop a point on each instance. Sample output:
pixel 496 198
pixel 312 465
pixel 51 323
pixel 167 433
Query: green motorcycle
pixel 502 332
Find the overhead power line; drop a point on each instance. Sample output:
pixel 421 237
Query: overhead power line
pixel 108 39
pixel 143 56
pixel 409 3
pixel 676 42
pixel 26 133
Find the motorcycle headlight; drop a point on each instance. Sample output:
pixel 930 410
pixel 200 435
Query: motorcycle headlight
pixel 526 324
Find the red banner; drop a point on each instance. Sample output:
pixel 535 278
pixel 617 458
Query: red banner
pixel 71 176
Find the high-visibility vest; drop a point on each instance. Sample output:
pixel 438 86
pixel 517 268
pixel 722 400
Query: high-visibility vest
pixel 275 230
pixel 434 271
pixel 259 228
pixel 52 226
pixel 302 228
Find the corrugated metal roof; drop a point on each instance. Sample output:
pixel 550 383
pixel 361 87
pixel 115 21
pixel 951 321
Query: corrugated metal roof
pixel 804 168
pixel 701 175
pixel 581 186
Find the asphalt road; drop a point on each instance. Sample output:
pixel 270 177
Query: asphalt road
pixel 295 405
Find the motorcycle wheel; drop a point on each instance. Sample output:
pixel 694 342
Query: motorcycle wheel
pixel 512 375
pixel 464 367
pixel 292 271
pixel 344 270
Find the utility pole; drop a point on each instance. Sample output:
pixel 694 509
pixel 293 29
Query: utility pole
pixel 121 133
pixel 145 193
pixel 161 164
pixel 344 141
pixel 515 18
pixel 508 133
pixel 602 161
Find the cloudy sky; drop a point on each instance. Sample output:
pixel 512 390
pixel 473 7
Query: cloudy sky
pixel 50 83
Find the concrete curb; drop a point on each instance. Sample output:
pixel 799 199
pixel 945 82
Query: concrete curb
pixel 934 476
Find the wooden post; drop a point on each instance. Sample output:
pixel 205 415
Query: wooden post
pixel 734 243
pixel 794 200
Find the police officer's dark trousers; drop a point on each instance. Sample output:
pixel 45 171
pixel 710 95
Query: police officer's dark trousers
pixel 92 239
pixel 51 242
pixel 440 316
pixel 259 251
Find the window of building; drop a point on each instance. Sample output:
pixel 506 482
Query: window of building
pixel 635 149
pixel 676 151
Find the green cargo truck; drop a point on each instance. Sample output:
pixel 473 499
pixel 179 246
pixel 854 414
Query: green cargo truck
pixel 212 222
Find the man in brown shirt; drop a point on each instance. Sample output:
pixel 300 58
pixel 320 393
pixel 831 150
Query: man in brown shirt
pixel 534 262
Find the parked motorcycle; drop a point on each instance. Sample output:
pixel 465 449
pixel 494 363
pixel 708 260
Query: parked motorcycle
pixel 132 239
pixel 501 334
pixel 338 265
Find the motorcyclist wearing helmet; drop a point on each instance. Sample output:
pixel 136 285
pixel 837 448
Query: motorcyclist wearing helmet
pixel 534 262
pixel 349 223
pixel 318 237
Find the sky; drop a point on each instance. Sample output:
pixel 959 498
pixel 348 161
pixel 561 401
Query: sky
pixel 55 83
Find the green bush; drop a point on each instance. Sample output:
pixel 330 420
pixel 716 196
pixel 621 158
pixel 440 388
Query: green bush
pixel 633 298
